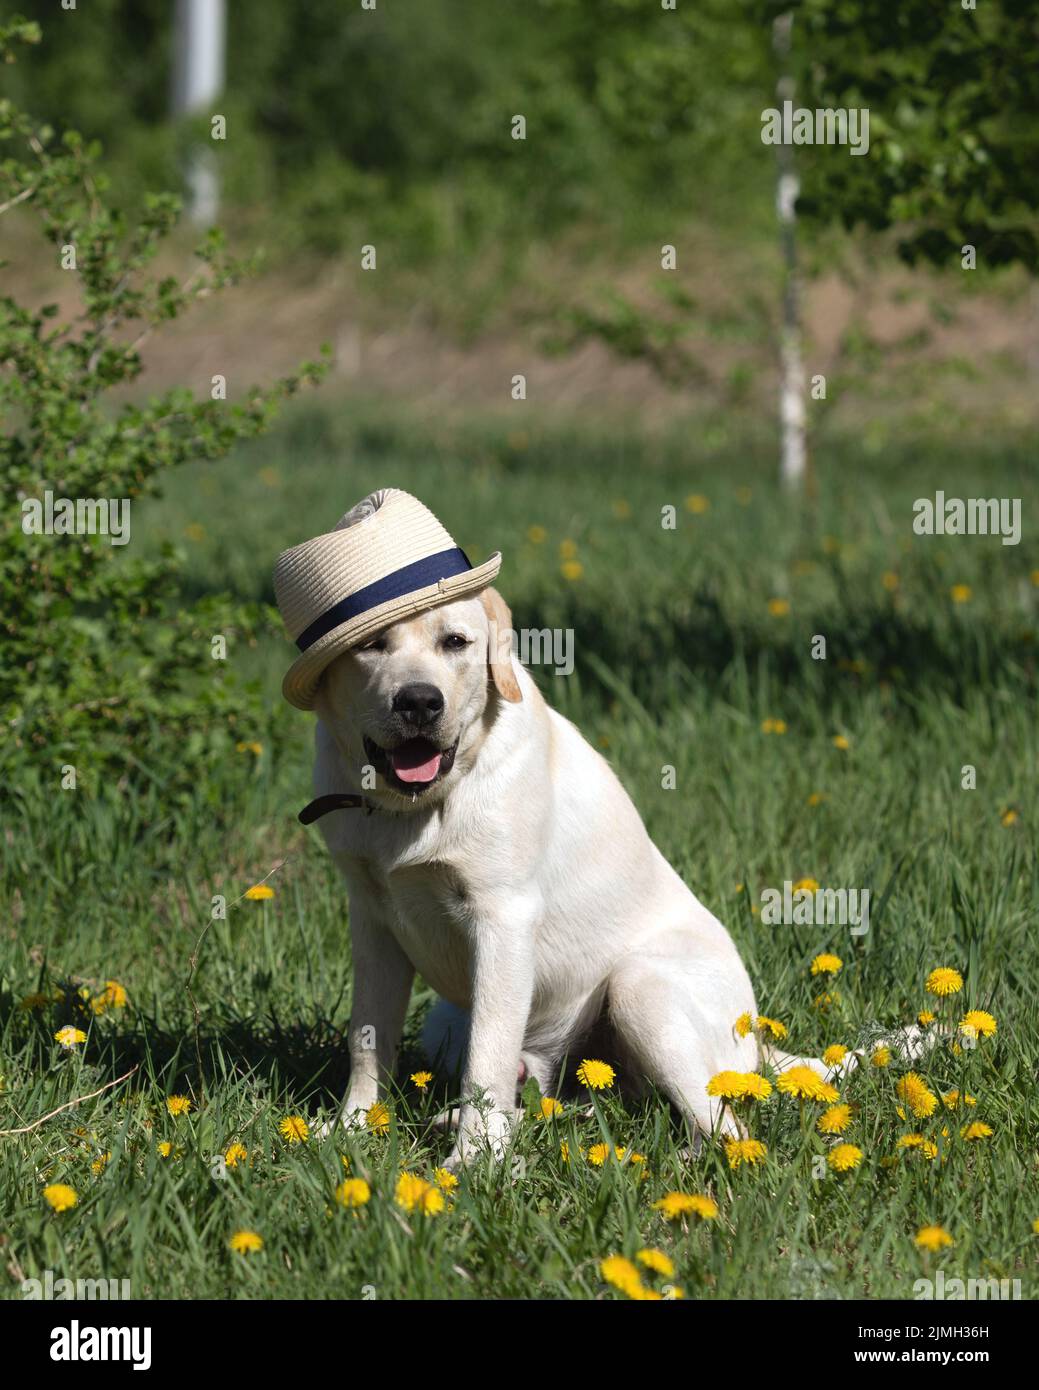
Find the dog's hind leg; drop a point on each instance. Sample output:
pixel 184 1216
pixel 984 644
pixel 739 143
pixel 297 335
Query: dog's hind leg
pixel 666 1012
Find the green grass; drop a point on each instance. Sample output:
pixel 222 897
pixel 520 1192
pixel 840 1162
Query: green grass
pixel 678 663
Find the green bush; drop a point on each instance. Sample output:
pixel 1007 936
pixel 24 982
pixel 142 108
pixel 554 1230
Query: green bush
pixel 103 652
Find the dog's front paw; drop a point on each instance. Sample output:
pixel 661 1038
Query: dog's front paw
pixel 349 1117
pixel 479 1134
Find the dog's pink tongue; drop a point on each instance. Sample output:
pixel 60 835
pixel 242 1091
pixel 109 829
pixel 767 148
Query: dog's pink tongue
pixel 416 761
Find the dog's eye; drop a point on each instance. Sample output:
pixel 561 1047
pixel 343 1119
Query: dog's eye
pixel 454 642
pixel 377 644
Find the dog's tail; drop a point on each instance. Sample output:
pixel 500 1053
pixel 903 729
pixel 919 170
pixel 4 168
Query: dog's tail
pixel 908 1044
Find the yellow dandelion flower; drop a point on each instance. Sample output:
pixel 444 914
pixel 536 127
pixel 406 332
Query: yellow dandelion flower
pixel 944 980
pixel 977 1130
pixel 294 1129
pixel 536 535
pixel 377 1118
pixel 259 893
pixel 740 1151
pixel 744 1024
pixel 977 1024
pixel 1008 817
pixel 739 1085
pixel 34 1001
pixel 835 1054
pixel 773 726
pixel 839 741
pixel 890 581
pixel 829 999
pixel 60 1197
pixel 827 964
pixel 416 1194
pixel 912 1089
pixel 816 799
pixel 952 1100
pixel 70 1037
pixel 1035 1223
pixel 925 1018
pixel 100 1163
pixel 598 1154
pixel 778 607
pixel 353 1192
pixel 675 1204
pixel 571 570
pixel 835 1120
pixel 622 1274
pixel 165 1148
pixel 422 1079
pixel 657 1261
pixel 568 550
pixel 772 1026
pixel 114 995
pixel 697 503
pixel 933 1238
pixel 445 1179
pixel 806 885
pixel 805 1084
pixel 960 593
pixel 178 1105
pixel 246 1242
pixel 843 1157
pixel 550 1108
pixel 597 1075
pixel 881 1057
pixel 235 1154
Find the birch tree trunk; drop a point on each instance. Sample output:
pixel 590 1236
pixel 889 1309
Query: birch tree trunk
pixel 199 42
pixel 793 451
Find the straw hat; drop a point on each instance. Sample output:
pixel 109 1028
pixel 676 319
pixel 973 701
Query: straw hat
pixel 387 559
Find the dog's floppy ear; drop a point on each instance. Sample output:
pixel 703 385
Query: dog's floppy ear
pixel 499 645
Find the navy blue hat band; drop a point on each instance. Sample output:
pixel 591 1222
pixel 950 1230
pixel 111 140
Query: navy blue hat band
pixel 419 575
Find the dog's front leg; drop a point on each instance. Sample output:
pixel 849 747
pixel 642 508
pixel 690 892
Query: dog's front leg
pixel 502 987
pixel 382 987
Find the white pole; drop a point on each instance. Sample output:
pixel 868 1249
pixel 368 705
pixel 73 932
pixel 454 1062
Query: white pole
pixel 793 450
pixel 198 79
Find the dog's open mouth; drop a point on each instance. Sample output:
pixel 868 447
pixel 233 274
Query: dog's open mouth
pixel 414 765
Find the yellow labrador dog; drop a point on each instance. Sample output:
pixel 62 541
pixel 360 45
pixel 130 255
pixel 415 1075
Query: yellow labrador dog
pixel 507 865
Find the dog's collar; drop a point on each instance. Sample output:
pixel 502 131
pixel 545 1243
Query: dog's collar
pixel 335 801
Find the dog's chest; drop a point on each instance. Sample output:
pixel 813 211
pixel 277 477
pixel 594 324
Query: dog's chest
pixel 431 922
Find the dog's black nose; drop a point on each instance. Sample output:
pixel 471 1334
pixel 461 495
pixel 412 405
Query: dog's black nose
pixel 420 704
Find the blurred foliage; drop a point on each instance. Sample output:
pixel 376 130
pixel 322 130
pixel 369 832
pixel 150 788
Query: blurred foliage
pixel 101 653
pixel 398 121
pixel 953 96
